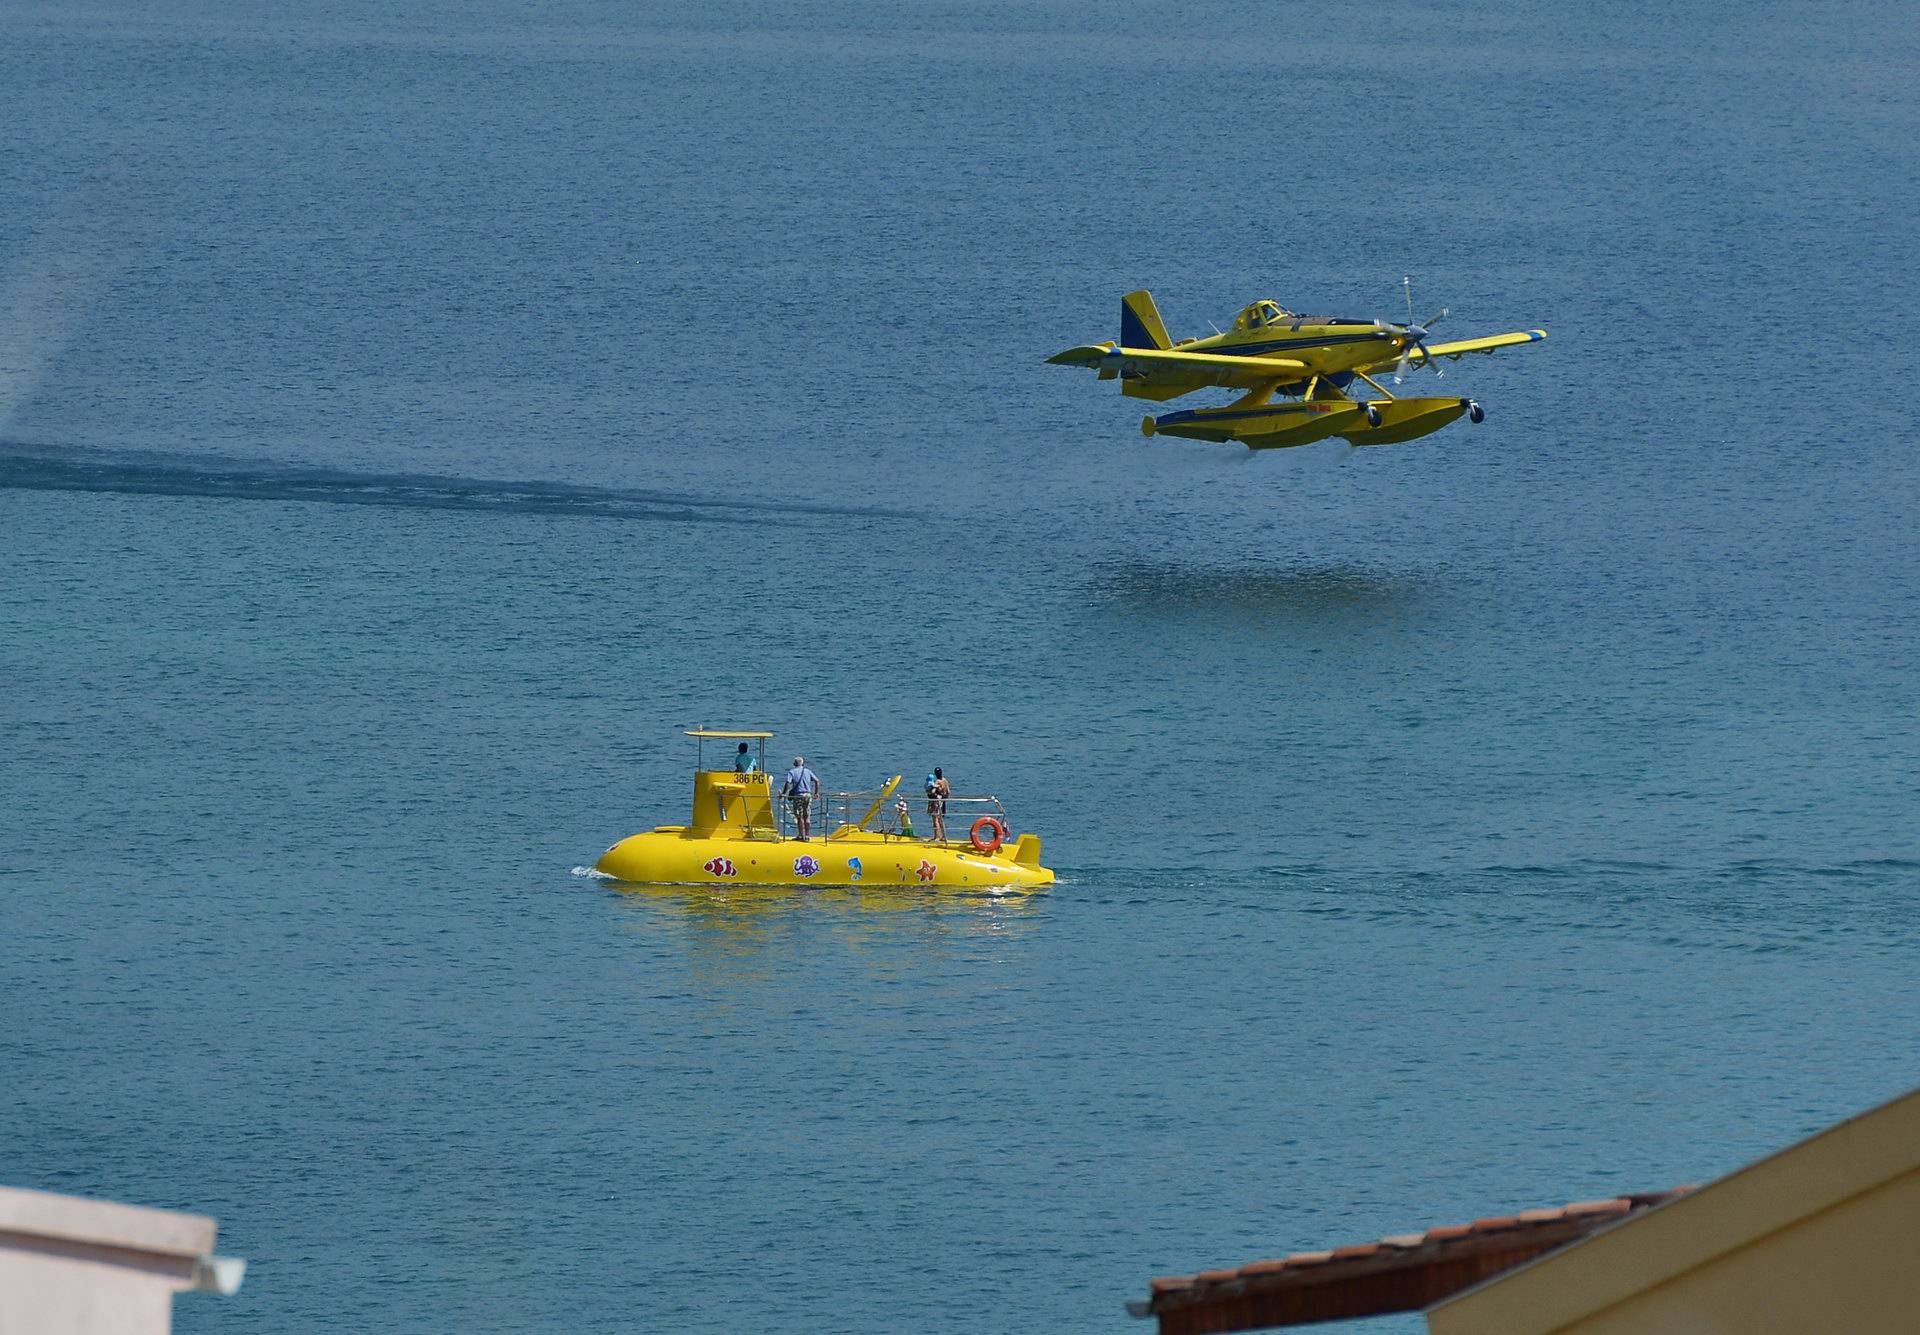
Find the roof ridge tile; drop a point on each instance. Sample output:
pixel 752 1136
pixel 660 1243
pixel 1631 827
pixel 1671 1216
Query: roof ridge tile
pixel 1579 1216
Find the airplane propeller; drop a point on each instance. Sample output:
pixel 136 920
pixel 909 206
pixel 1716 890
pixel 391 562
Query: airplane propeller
pixel 1416 335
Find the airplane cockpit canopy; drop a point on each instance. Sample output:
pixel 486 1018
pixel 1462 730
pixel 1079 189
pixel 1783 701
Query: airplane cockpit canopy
pixel 1261 314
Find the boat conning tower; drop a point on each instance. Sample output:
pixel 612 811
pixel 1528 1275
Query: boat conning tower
pixel 727 804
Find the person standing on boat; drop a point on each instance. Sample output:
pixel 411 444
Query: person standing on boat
pixel 744 763
pixel 800 789
pixel 938 791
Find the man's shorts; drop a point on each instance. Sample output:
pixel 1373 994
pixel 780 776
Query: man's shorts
pixel 801 802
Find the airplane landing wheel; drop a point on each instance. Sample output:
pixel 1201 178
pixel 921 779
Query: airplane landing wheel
pixel 1475 413
pixel 1373 415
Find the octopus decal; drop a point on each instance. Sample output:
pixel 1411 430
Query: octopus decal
pixel 720 867
pixel 806 865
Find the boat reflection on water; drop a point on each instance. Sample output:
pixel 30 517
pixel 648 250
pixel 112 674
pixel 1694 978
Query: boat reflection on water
pixel 751 918
pixel 750 902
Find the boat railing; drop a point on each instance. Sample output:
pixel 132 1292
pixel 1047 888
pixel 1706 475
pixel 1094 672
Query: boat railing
pixel 834 811
pixel 960 814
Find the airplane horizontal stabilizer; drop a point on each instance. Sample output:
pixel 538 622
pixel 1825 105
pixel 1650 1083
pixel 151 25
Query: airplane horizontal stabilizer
pixel 1089 355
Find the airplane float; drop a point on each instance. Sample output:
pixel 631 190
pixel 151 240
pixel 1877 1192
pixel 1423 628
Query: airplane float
pixel 1299 373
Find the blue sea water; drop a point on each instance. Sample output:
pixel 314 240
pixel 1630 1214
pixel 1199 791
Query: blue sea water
pixel 411 418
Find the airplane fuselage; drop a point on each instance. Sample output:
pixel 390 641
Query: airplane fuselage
pixel 1328 347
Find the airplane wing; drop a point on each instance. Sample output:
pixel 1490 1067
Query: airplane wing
pixel 1461 348
pixel 1171 367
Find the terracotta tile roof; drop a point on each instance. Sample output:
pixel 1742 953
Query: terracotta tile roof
pixel 1402 1273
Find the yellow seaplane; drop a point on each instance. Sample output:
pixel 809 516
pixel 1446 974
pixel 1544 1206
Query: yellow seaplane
pixel 744 833
pixel 1298 372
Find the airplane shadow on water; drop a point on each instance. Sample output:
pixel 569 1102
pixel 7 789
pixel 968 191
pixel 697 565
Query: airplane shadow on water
pixel 1331 592
pixel 28 467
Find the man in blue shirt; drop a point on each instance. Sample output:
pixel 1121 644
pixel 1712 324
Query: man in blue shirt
pixel 800 788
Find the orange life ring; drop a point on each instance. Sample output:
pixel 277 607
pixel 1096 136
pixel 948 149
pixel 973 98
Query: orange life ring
pixel 992 845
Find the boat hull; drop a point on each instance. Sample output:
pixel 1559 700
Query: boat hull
pixel 673 856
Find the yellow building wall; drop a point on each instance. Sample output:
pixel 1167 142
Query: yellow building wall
pixel 1851 1270
pixel 1821 1237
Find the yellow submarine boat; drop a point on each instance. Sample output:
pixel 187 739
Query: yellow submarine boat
pixel 741 834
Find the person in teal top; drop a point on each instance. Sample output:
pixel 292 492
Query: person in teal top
pixel 744 763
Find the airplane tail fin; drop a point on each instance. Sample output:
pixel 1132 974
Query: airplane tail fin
pixel 1140 325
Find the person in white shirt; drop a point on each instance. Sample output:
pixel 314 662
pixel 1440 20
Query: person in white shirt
pixel 801 787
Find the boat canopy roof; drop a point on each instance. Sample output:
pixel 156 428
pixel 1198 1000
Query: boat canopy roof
pixel 716 732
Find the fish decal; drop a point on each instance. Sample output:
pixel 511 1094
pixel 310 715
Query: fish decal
pixel 927 869
pixel 854 869
pixel 720 867
pixel 806 865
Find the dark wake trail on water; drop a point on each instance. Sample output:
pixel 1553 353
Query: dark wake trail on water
pixel 26 467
